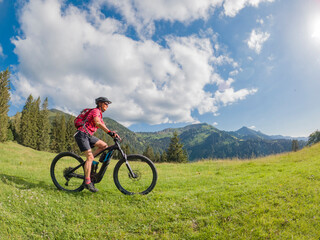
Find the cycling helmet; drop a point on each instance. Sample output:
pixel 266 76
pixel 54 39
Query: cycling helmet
pixel 102 99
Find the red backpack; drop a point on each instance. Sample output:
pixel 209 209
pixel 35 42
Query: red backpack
pixel 82 118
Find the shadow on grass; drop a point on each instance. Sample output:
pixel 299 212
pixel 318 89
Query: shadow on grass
pixel 21 183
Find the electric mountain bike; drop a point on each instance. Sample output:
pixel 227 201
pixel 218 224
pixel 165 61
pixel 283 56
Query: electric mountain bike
pixel 133 174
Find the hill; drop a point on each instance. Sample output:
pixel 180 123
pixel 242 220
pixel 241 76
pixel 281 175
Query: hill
pixel 205 141
pixel 275 197
pixel 247 133
pixel 202 140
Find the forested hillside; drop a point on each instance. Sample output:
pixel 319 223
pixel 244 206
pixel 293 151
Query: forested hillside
pixel 205 141
pixel 200 141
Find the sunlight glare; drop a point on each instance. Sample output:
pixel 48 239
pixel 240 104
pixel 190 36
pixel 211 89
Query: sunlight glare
pixel 315 29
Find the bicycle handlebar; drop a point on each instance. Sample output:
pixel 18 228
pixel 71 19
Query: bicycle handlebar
pixel 119 140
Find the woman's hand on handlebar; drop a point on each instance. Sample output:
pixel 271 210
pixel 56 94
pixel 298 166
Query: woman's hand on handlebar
pixel 117 136
pixel 113 134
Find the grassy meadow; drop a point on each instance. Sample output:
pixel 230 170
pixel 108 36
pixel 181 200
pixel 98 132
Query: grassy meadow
pixel 275 197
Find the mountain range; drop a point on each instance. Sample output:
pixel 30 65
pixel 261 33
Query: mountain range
pixel 204 141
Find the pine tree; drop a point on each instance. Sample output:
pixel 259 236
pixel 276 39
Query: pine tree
pixel 35 121
pixel 70 131
pixel 149 153
pixel 54 134
pixel 295 145
pixel 127 149
pixel 44 128
pixel 58 134
pixel 26 123
pixel 30 124
pixel 15 124
pixel 163 157
pixel 62 134
pixel 157 157
pixel 4 104
pixel 175 152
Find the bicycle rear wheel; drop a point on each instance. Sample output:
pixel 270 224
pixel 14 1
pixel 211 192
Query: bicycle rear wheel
pixel 62 175
pixel 145 177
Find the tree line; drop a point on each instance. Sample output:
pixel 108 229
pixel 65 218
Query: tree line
pixel 33 128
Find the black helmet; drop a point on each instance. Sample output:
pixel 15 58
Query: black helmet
pixel 102 99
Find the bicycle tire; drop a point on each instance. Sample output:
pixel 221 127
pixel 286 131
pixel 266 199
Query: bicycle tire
pixel 60 164
pixel 146 175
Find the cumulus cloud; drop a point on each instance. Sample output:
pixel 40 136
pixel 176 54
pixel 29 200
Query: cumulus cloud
pixel 73 55
pixel 257 39
pixel 230 96
pixel 232 7
pixel 1 50
pixel 143 13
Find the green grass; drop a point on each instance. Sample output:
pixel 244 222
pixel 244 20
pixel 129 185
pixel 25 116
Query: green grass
pixel 276 197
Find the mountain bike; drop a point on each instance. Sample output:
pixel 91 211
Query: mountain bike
pixel 133 174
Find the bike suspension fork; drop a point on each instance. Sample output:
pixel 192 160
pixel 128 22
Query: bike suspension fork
pixel 128 165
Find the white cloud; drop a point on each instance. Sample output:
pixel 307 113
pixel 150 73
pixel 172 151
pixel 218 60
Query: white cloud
pixel 73 56
pixel 1 50
pixel 260 20
pixel 232 7
pixel 252 127
pixel 143 13
pixel 229 96
pixel 257 39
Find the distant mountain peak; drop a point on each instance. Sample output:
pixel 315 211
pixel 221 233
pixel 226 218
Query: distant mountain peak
pixel 248 133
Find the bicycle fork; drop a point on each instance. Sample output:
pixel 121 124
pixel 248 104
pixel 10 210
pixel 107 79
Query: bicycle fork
pixel 131 173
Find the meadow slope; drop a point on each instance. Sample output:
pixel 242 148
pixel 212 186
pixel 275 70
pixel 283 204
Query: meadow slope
pixel 275 197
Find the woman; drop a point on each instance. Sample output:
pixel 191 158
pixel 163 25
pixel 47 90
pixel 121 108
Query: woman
pixel 86 141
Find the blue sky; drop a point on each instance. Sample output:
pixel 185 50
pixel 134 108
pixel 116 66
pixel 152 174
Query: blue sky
pixel 163 63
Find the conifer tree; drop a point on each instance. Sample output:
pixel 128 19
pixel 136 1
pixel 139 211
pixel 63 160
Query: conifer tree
pixel 70 131
pixel 54 134
pixel 35 121
pixel 295 145
pixel 175 152
pixel 62 133
pixel 163 157
pixel 4 104
pixel 157 157
pixel 26 123
pixel 149 153
pixel 127 149
pixel 44 128
pixel 15 124
pixel 58 134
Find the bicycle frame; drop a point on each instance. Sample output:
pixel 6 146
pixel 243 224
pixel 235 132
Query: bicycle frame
pixel 97 177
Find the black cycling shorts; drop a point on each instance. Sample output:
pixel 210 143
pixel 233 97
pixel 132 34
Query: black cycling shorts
pixel 85 141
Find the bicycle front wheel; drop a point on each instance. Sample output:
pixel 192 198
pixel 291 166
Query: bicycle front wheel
pixel 144 179
pixel 67 173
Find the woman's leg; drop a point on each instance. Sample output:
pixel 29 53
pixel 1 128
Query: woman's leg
pixel 101 145
pixel 87 165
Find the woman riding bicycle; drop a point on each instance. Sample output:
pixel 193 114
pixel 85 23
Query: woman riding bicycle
pixel 86 141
